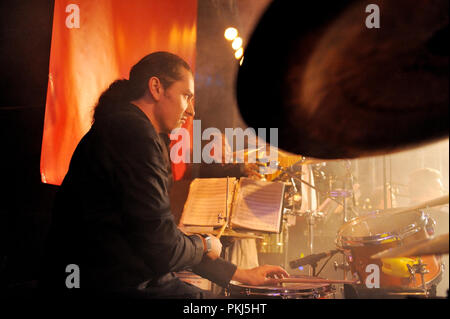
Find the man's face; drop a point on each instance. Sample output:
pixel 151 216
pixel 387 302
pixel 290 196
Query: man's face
pixel 177 103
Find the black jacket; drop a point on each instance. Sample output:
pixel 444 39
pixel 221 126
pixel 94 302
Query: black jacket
pixel 112 213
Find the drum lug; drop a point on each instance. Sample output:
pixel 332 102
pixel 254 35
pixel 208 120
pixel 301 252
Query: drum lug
pixel 412 272
pixel 418 268
pixel 227 291
pixel 316 295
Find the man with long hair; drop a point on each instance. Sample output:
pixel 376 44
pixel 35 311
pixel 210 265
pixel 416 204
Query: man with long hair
pixel 112 217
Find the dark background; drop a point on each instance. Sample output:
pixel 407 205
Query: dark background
pixel 25 37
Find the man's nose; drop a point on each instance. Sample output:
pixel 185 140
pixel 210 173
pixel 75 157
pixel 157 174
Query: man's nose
pixel 190 109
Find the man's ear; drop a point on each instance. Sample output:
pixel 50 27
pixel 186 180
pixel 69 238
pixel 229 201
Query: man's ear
pixel 155 88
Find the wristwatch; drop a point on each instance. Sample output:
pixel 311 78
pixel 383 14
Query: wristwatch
pixel 207 242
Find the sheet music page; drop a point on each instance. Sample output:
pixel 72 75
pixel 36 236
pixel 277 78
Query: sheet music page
pixel 258 205
pixel 206 200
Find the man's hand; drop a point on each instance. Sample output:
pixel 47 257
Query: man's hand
pixel 216 247
pixel 262 275
pixel 253 170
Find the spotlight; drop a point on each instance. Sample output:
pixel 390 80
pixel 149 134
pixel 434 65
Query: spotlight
pixel 237 43
pixel 231 33
pixel 238 54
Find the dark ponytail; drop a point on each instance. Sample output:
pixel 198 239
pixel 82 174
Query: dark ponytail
pixel 164 65
pixel 116 94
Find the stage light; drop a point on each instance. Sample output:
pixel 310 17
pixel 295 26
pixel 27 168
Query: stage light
pixel 231 33
pixel 237 43
pixel 238 54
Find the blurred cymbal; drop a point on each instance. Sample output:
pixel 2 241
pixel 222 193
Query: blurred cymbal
pixel 233 233
pixel 335 88
pixel 433 246
pixel 309 161
pixel 243 154
pixel 430 203
pixel 261 153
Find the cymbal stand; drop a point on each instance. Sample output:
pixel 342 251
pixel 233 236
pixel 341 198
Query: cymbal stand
pixel 344 193
pixel 312 271
pixel 285 239
pixel 311 215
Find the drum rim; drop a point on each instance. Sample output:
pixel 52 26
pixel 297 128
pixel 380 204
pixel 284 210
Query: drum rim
pixel 246 290
pixel 343 241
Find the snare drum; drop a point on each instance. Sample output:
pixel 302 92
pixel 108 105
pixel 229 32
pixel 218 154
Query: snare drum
pixel 365 236
pixel 284 291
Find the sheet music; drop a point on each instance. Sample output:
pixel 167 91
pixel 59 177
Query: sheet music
pixel 206 200
pixel 258 205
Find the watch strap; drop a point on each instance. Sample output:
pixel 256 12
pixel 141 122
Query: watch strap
pixel 207 242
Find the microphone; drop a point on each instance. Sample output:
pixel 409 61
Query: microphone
pixel 311 259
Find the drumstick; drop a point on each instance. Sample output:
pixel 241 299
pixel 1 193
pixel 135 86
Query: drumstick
pixel 315 281
pixel 222 229
pixel 431 203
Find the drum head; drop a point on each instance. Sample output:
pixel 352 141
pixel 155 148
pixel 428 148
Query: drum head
pixel 287 287
pixel 379 227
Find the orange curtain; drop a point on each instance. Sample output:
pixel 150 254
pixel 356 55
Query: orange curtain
pixel 112 36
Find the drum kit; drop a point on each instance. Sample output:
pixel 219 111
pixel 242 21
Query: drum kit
pixel 399 243
pixel 345 91
pixel 390 254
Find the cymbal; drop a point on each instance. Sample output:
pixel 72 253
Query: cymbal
pixel 433 246
pixel 233 233
pixel 309 161
pixel 261 153
pixel 335 88
pixel 439 201
pixel 247 151
pixel 442 200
